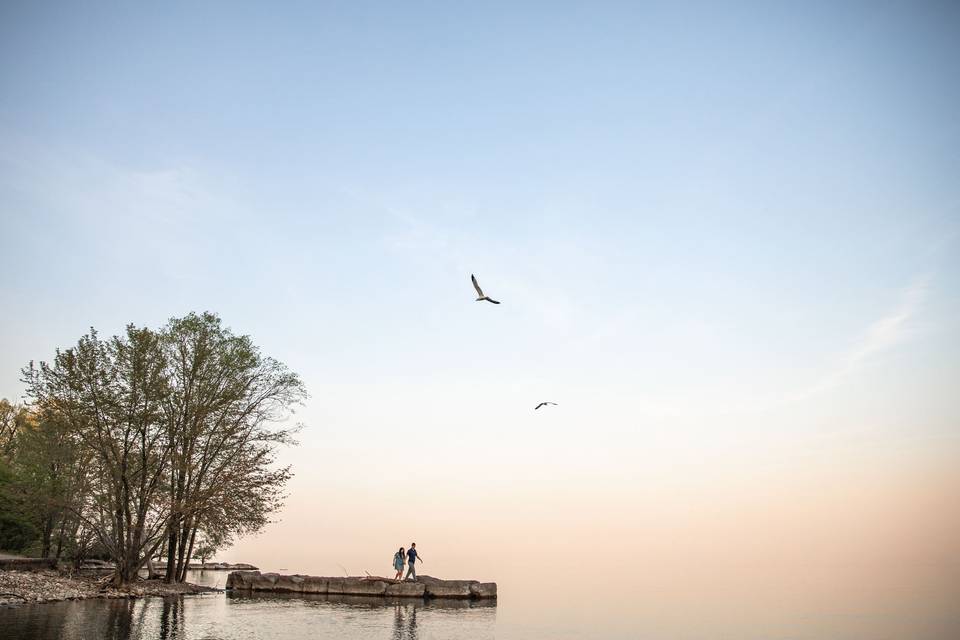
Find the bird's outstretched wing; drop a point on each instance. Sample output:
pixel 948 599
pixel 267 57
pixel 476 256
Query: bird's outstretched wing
pixel 491 300
pixel 539 405
pixel 476 286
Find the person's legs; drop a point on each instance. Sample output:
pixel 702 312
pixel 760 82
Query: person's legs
pixel 411 571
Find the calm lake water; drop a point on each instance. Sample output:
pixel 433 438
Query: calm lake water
pixel 655 610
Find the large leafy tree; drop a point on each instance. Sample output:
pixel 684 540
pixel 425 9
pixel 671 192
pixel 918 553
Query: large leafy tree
pixel 222 412
pixel 152 437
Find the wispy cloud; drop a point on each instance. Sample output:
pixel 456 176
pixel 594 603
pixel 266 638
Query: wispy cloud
pixel 80 187
pixel 170 218
pixel 882 335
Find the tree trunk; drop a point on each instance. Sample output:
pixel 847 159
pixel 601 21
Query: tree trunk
pixel 63 524
pixel 151 570
pixel 174 542
pixel 47 536
pixel 184 535
pixel 80 542
pixel 172 551
pixel 186 565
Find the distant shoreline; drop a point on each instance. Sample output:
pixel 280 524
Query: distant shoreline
pixel 222 566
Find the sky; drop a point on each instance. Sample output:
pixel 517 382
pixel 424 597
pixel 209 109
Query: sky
pixel 725 239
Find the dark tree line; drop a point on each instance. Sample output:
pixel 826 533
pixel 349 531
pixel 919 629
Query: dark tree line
pixel 152 443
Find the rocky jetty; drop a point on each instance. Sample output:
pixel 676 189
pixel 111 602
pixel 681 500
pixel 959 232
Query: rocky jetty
pixel 424 587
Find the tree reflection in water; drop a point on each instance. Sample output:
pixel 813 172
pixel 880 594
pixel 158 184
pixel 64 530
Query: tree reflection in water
pixel 235 616
pixel 171 619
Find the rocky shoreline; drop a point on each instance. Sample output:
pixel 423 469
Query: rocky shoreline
pixel 19 587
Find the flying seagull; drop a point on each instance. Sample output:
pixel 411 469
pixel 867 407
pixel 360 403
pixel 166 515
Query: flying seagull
pixel 480 291
pixel 543 404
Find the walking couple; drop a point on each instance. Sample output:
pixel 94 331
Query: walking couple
pixel 411 558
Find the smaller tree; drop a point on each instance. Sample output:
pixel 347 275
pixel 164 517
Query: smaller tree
pixel 208 543
pixel 16 531
pixel 107 395
pixel 50 474
pixel 11 419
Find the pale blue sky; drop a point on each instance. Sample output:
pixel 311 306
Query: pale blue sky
pixel 710 226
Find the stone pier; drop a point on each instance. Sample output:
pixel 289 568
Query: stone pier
pixel 424 587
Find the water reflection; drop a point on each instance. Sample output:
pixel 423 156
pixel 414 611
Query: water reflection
pixel 402 629
pixel 262 615
pixel 108 619
pixel 171 619
pixel 119 620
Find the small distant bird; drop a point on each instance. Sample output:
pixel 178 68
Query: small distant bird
pixel 480 291
pixel 543 404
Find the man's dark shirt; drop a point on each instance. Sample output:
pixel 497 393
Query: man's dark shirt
pixel 411 556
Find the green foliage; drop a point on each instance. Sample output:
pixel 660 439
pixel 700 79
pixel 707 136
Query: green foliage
pixel 155 437
pixel 16 531
pixel 16 534
pixel 11 420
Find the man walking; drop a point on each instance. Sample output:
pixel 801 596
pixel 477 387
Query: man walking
pixel 412 557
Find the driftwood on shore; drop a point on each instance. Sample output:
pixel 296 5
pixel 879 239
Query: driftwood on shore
pixel 423 587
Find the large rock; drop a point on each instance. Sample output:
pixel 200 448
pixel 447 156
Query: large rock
pixel 289 583
pixel 362 587
pixel 406 590
pixel 424 587
pixel 241 579
pixel 436 588
pixel 335 586
pixel 313 584
pixel 264 581
pixel 484 590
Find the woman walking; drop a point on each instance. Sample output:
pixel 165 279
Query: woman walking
pixel 398 559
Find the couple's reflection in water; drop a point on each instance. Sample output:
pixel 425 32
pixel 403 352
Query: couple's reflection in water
pixel 476 618
pixel 405 619
pixel 404 622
